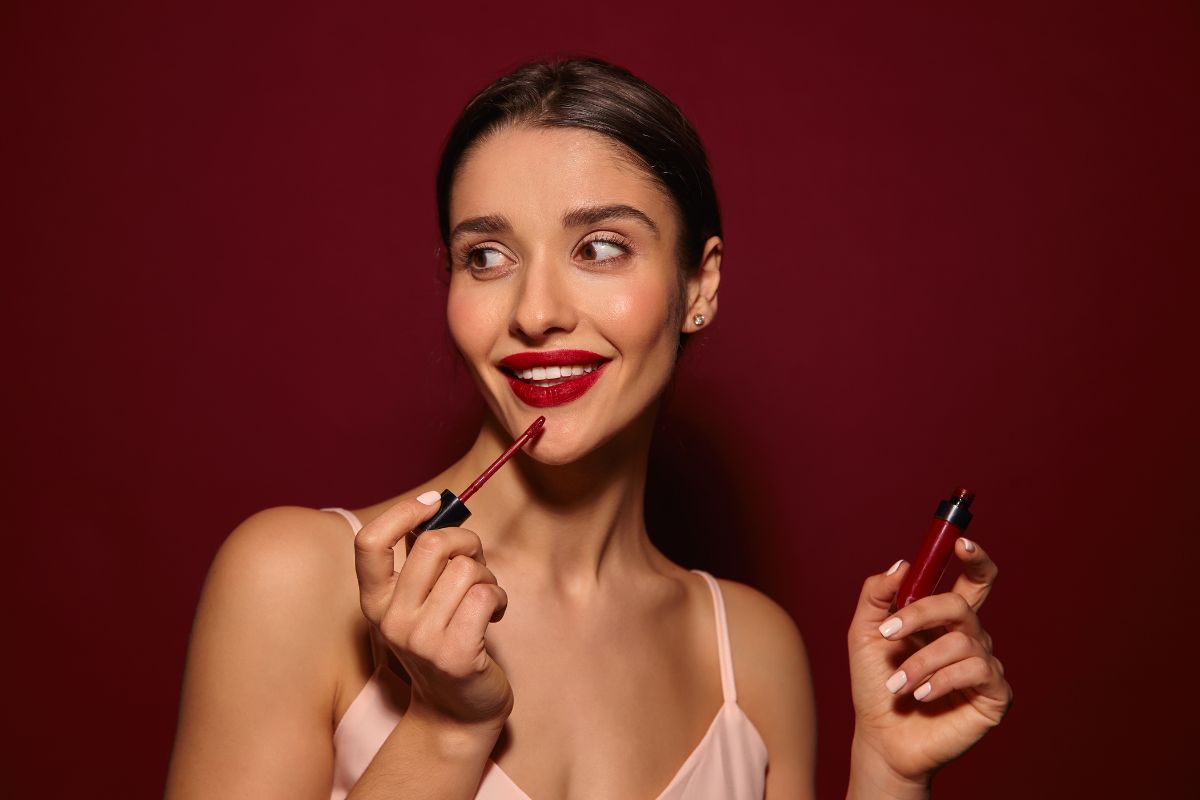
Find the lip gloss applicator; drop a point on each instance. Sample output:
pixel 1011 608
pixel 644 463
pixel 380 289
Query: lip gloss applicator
pixel 454 511
pixel 949 522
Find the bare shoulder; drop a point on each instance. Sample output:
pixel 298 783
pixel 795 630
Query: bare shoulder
pixel 764 637
pixel 286 548
pixel 288 573
pixel 273 632
pixel 774 686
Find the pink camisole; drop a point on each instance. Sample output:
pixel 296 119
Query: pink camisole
pixel 729 763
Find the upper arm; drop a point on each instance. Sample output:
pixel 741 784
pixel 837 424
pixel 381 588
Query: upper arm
pixel 255 715
pixel 774 685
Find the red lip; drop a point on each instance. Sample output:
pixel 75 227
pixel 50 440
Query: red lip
pixel 550 358
pixel 559 393
pixel 569 389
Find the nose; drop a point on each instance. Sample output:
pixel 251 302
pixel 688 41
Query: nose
pixel 543 304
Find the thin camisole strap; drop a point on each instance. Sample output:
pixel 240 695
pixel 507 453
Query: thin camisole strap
pixel 355 525
pixel 728 689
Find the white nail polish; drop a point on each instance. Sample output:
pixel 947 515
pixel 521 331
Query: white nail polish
pixel 968 545
pixel 923 690
pixel 890 627
pixel 896 681
pixel 895 567
pixel 429 498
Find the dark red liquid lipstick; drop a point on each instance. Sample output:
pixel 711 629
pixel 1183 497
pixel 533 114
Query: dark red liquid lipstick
pixel 453 510
pixel 949 522
pixel 568 387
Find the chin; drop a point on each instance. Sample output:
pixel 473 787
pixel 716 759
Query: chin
pixel 555 456
pixel 561 442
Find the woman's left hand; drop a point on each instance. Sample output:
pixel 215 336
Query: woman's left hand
pixel 925 683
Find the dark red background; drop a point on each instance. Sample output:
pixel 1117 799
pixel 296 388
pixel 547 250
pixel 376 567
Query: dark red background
pixel 961 246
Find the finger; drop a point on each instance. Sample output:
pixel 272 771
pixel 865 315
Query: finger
pixel 482 604
pixel 875 600
pixel 945 610
pixel 979 572
pixel 977 674
pixel 946 650
pixel 447 594
pixel 429 556
pixel 374 550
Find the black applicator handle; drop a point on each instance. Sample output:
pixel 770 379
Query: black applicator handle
pixel 453 513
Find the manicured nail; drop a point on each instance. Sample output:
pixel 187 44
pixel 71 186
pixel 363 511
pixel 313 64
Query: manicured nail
pixel 895 567
pixel 890 627
pixel 923 690
pixel 430 497
pixel 968 545
pixel 896 681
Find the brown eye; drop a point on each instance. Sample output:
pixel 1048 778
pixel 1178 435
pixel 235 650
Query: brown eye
pixel 477 259
pixel 601 250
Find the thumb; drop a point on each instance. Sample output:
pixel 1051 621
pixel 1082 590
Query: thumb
pixel 878 593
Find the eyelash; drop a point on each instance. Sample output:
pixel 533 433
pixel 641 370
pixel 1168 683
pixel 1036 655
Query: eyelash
pixel 464 257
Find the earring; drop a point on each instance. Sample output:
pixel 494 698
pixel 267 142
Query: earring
pixel 698 320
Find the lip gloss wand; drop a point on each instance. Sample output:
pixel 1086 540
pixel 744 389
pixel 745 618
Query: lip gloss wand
pixel 454 511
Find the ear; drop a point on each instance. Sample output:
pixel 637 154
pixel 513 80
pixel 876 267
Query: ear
pixel 702 287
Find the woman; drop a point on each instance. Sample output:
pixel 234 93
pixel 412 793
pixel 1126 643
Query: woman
pixel 582 234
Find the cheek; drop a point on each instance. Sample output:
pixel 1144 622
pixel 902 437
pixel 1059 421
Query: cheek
pixel 472 321
pixel 640 311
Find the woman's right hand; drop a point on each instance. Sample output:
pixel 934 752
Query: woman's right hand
pixel 433 614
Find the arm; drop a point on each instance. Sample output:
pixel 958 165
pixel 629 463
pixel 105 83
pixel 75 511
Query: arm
pixel 433 615
pixel 775 688
pixel 426 759
pixel 257 703
pixel 871 779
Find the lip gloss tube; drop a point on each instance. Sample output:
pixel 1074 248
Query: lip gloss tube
pixel 949 522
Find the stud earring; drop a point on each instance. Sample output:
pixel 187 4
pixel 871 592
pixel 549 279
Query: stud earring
pixel 698 320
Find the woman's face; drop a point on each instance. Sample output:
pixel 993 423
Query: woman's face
pixel 558 244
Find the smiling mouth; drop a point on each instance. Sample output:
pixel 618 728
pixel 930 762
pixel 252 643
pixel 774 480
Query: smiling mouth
pixel 552 376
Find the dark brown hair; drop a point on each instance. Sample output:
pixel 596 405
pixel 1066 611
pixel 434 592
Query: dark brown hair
pixel 592 94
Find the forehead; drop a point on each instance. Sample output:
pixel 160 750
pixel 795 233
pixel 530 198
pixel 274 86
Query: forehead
pixel 534 174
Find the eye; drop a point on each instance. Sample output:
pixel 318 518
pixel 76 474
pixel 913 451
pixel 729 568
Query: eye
pixel 481 259
pixel 603 249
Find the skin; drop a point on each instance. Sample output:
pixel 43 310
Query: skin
pixel 555 568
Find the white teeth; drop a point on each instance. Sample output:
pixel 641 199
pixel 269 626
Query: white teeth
pixel 554 373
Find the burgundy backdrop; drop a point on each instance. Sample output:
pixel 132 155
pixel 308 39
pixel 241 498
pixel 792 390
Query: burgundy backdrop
pixel 960 247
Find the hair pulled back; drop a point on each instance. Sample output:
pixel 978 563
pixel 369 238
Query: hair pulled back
pixel 594 95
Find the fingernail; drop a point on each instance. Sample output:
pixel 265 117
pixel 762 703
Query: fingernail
pixel 896 681
pixel 430 497
pixel 923 690
pixel 890 626
pixel 895 567
pixel 968 545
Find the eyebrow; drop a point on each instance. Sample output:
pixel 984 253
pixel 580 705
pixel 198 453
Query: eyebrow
pixel 576 217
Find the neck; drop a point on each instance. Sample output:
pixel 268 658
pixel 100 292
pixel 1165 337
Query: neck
pixel 567 525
